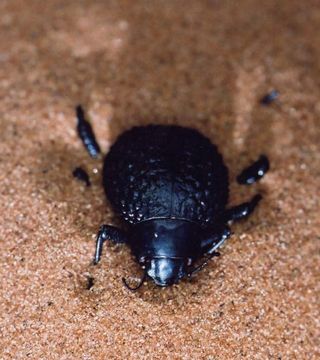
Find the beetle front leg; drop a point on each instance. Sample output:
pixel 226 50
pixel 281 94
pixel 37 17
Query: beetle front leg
pixel 107 232
pixel 242 211
pixel 211 243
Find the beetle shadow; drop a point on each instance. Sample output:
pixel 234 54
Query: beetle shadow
pixel 164 84
pixel 161 83
pixel 144 77
pixel 54 180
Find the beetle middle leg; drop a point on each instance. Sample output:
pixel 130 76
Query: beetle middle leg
pixel 107 232
pixel 254 172
pixel 243 210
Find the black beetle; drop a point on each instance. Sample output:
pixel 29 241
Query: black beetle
pixel 170 185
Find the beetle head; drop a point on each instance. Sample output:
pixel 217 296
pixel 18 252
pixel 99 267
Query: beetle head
pixel 165 248
pixel 165 271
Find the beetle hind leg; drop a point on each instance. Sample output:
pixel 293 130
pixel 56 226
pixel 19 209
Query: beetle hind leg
pixel 107 232
pixel 86 134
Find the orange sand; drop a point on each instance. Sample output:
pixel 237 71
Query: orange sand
pixel 196 63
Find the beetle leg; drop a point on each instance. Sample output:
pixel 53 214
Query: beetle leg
pixel 86 134
pixel 202 265
pixel 242 211
pixel 107 232
pixel 209 247
pixel 213 242
pixel 254 172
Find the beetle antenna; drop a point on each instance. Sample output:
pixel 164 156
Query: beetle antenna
pixel 205 263
pixel 136 287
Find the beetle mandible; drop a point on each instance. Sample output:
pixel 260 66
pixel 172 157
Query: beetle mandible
pixel 170 186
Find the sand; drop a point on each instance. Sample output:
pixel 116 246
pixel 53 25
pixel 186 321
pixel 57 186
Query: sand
pixel 203 64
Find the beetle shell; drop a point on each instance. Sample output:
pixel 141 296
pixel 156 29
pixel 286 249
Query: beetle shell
pixel 160 171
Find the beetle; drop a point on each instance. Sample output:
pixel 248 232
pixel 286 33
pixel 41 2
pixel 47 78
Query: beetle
pixel 170 186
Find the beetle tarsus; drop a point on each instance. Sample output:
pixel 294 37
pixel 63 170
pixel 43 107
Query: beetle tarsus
pixel 269 98
pixel 82 175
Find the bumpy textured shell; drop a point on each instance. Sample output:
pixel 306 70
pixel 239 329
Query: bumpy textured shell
pixel 165 171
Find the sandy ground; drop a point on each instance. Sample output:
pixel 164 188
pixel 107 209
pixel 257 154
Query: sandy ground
pixel 203 64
